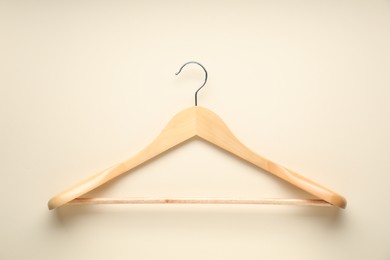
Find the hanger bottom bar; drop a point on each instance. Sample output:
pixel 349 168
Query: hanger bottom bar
pixel 303 202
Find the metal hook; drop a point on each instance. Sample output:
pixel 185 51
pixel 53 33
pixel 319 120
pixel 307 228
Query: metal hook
pixel 205 79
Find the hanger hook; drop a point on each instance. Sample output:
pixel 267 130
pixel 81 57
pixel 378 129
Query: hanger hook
pixel 205 79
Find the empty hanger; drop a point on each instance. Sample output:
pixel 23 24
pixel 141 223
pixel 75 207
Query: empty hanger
pixel 199 122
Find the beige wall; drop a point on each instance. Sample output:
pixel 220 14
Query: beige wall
pixel 86 84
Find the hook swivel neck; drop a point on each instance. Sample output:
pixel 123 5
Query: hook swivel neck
pixel 205 79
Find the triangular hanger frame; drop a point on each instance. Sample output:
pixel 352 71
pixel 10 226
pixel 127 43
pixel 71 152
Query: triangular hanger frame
pixel 199 122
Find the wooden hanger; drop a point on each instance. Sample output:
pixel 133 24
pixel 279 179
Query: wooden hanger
pixel 202 123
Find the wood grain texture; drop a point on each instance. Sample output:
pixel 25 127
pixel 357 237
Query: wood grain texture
pixel 302 202
pixel 197 122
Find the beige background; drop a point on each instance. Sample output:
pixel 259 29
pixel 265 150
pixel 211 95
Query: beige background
pixel 86 84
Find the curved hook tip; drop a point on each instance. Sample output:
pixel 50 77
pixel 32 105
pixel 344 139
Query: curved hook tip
pixel 205 80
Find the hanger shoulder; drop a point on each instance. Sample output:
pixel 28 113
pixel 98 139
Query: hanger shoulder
pixel 196 121
pixel 181 128
pixel 211 128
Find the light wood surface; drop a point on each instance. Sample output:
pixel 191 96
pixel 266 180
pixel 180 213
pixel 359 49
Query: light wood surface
pixel 197 122
pixel 302 202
